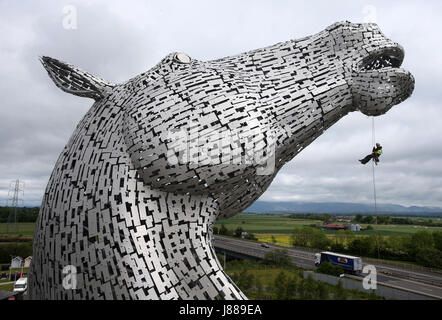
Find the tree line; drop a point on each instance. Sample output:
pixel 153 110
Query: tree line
pixel 370 219
pixel 23 214
pixel 9 250
pixel 386 219
pixel 238 233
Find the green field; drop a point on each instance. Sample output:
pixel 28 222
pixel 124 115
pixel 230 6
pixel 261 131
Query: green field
pixel 263 223
pixel 23 228
pixel 282 224
pixel 7 287
pixel 260 224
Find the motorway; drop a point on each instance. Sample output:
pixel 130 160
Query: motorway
pixel 424 283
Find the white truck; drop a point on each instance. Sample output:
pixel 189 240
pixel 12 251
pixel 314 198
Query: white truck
pixel 350 264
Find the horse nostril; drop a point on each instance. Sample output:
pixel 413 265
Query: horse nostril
pixel 182 58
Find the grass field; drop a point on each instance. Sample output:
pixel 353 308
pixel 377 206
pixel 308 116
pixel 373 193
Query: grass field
pixel 23 228
pixel 261 223
pixel 266 276
pixel 280 225
pixel 7 287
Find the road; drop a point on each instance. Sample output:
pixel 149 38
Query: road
pixel 418 282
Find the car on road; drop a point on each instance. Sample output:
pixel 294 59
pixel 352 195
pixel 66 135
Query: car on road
pixel 265 245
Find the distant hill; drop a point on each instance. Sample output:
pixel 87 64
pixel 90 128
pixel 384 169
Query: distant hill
pixel 339 208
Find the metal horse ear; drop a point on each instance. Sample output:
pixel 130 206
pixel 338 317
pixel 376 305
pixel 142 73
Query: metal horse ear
pixel 130 205
pixel 75 81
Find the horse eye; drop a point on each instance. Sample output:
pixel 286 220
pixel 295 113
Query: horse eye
pixel 182 58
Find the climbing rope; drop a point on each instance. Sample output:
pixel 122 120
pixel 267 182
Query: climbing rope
pixel 373 138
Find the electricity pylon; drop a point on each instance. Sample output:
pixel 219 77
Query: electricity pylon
pixel 16 187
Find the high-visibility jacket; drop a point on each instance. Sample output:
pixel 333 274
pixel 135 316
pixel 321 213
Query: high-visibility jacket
pixel 377 151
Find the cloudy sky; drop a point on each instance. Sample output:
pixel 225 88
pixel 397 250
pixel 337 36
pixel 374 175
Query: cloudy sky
pixel 117 40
